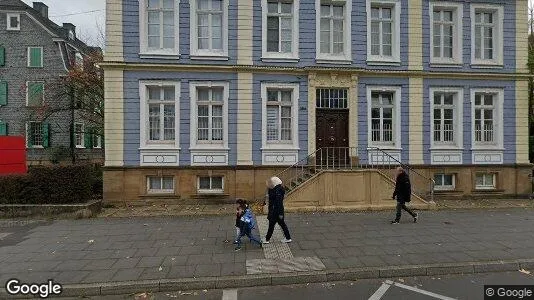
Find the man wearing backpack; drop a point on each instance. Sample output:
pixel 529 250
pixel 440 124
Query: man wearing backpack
pixel 403 192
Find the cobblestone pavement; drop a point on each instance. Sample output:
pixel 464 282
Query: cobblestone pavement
pixel 124 249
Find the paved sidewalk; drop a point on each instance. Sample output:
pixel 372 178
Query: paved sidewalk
pixel 129 249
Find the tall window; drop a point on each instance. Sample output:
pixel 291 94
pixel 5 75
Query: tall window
pixel 35 57
pixel 486 34
pixel 443 33
pixel 37 135
pixel 34 93
pixel 161 33
pixel 279 115
pixel 332 29
pixel 209 27
pixel 446 38
pixel 279 26
pixel 381 31
pixel 210 104
pixel 485 117
pixel 161 113
pixel 382 117
pixel 444 117
pixel 79 134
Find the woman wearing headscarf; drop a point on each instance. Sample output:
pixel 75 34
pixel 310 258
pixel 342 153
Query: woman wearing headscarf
pixel 276 209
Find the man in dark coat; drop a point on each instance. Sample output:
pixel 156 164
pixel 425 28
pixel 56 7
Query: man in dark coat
pixel 276 209
pixel 403 192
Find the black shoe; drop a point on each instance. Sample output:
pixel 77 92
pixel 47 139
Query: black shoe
pixel 416 217
pixel 395 222
pixel 237 249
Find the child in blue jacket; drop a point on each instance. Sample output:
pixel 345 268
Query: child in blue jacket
pixel 247 223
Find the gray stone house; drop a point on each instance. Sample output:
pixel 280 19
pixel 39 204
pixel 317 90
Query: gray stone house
pixel 35 54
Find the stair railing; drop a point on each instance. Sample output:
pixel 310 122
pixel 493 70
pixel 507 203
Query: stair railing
pixel 350 158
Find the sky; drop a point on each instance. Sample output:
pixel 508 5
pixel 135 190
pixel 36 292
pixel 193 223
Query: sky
pixel 89 17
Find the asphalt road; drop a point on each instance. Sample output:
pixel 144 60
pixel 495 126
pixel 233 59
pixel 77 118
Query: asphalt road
pixel 470 287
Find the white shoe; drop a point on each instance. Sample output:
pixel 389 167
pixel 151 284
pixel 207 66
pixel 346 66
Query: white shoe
pixel 265 242
pixel 286 241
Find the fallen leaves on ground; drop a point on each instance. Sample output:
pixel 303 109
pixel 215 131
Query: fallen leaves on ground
pixel 525 272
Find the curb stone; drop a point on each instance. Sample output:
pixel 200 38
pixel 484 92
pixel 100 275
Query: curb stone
pixel 167 285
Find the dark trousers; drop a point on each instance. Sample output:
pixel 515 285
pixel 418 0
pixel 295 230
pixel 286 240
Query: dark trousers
pixel 272 223
pixel 245 230
pixel 400 207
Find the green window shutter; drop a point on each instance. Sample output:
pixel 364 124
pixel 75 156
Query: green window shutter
pixel 29 137
pixel 35 93
pixel 88 136
pixel 46 135
pixel 3 128
pixel 2 56
pixel 3 93
pixel 36 56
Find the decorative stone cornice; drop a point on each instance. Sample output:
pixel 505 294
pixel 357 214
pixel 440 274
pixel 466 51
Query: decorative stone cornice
pixel 332 72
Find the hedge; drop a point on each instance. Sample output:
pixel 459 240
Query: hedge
pixel 48 185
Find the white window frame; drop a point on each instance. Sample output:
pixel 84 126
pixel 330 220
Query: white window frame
pixel 8 22
pixel 396 90
pixel 210 190
pixel 160 191
pixel 497 61
pixel 346 57
pixel 444 187
pixel 29 58
pixel 145 143
pixel 486 186
pixel 294 144
pixel 394 59
pixel 145 52
pixel 193 28
pixel 458 121
pixel 221 145
pixel 98 139
pixel 292 56
pixel 28 88
pixel 457 51
pixel 80 134
pixel 28 126
pixel 498 119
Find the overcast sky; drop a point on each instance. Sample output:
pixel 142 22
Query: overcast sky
pixel 87 15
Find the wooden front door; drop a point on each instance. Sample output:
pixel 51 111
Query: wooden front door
pixel 332 134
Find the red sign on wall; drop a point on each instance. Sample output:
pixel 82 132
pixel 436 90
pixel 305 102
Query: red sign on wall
pixel 12 155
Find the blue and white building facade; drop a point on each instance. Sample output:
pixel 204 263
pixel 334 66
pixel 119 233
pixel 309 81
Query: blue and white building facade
pixel 212 96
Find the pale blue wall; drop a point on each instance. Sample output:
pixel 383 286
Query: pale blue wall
pixel 132 111
pixel 362 112
pixel 257 117
pixel 508 32
pixel 467 85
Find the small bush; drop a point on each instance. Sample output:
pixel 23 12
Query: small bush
pixel 48 185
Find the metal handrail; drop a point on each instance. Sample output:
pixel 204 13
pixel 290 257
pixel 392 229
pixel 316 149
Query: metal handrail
pixel 347 158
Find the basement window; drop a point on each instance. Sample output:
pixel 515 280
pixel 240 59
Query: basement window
pixel 485 181
pixel 210 184
pixel 160 185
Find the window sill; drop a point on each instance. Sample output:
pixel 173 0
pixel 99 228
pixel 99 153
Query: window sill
pixel 35 147
pixel 446 65
pixel 339 61
pixel 383 62
pixel 159 147
pixel 13 29
pixel 445 191
pixel 40 67
pixel 159 56
pixel 487 148
pixel 383 148
pixel 487 66
pixel 80 147
pixel 159 194
pixel 209 57
pixel 280 59
pixel 280 147
pixel 209 147
pixel 487 191
pixel 446 148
